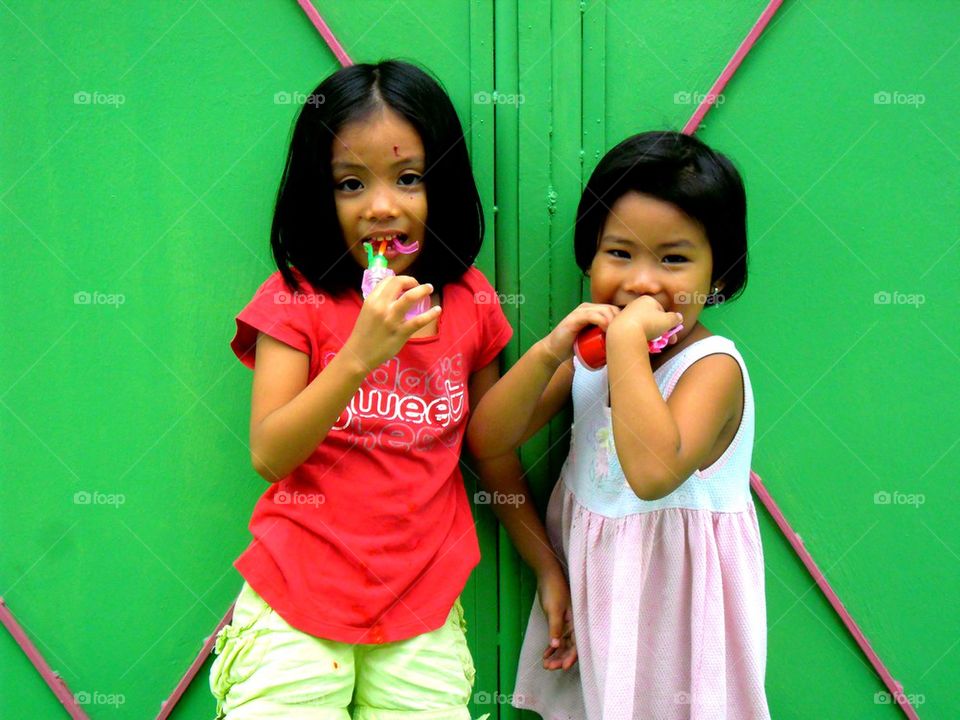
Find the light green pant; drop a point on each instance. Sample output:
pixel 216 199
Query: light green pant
pixel 267 669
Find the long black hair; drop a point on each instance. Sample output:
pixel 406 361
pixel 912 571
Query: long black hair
pixel 306 233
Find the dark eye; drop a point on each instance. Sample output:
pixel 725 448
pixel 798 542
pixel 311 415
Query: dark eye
pixel 621 254
pixel 349 185
pixel 409 179
pixel 671 259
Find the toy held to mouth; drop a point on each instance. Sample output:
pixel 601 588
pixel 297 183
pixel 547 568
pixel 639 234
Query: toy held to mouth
pixel 377 271
pixel 590 347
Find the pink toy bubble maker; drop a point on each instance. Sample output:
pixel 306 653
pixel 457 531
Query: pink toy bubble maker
pixel 377 271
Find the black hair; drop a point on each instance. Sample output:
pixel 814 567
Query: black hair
pixel 685 172
pixel 306 232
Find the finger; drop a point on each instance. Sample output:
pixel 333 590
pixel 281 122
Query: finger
pixel 607 315
pixel 394 287
pixel 598 315
pixel 555 620
pixel 420 321
pixel 411 297
pixel 571 658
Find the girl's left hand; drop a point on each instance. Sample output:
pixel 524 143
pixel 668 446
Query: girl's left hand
pixel 644 316
pixel 554 593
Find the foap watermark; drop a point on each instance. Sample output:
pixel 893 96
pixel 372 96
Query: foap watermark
pixel 482 497
pixel 883 697
pixel 281 297
pixel 496 698
pixel 95 697
pixel 83 97
pixel 682 697
pixel 695 98
pixel 883 297
pixel 485 297
pixel 498 98
pixel 882 497
pixel 85 497
pixel 99 298
pixel 698 298
pixel 284 497
pixel 895 97
pixel 298 98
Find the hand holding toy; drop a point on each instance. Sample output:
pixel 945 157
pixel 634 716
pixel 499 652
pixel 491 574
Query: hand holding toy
pixel 590 347
pixel 377 271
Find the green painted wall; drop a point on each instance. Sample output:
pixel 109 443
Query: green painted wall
pixel 154 198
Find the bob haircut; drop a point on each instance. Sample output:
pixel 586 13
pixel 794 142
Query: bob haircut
pixel 680 170
pixel 306 233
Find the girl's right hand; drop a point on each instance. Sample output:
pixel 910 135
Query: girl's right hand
pixel 554 593
pixel 381 329
pixel 559 343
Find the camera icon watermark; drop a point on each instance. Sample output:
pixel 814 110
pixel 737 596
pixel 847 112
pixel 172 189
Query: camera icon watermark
pixel 485 297
pixel 95 697
pixel 895 97
pixel 882 697
pixel 99 298
pixel 496 698
pixel 498 98
pixel 84 497
pixel 684 97
pixel 482 497
pixel 882 497
pixel 896 297
pixel 282 297
pixel 698 298
pixel 298 98
pixel 83 97
pixel 285 497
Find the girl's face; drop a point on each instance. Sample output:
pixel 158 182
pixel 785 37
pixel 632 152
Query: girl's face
pixel 651 247
pixel 378 166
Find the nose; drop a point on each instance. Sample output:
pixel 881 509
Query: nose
pixel 642 279
pixel 382 203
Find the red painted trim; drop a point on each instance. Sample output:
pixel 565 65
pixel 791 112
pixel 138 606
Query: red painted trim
pixel 721 82
pixel 166 707
pixel 895 688
pixel 325 31
pixel 49 675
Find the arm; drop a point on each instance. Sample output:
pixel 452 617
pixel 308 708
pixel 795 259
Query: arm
pixel 524 400
pixel 534 389
pixel 503 478
pixel 288 417
pixel 659 444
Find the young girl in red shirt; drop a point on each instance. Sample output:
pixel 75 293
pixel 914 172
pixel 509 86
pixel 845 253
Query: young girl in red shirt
pixel 364 540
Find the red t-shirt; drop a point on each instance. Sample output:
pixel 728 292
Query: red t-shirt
pixel 371 539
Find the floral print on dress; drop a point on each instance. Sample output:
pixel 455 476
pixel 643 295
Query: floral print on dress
pixel 600 469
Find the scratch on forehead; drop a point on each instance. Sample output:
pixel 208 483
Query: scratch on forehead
pixel 396 151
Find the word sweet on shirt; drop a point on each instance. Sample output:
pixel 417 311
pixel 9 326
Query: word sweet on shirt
pixel 406 408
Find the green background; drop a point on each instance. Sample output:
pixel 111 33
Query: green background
pixel 163 194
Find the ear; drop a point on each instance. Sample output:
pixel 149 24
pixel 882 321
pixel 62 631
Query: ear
pixel 719 285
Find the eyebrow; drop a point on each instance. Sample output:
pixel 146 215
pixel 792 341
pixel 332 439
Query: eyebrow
pixel 346 165
pixel 682 243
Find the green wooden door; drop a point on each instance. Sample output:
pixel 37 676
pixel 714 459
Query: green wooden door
pixel 141 150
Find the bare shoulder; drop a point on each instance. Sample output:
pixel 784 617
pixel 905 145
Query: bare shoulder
pixel 714 385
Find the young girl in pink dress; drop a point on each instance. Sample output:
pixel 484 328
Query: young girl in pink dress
pixel 652 515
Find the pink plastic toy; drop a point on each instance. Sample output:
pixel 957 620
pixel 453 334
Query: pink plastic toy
pixel 590 347
pixel 377 271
